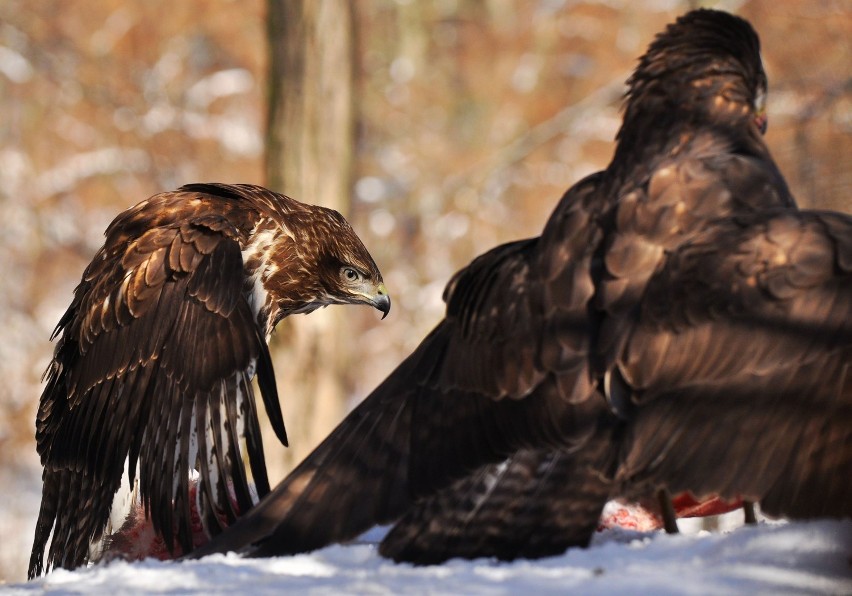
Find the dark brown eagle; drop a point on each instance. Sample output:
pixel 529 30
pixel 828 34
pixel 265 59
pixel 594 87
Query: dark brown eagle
pixel 151 376
pixel 678 325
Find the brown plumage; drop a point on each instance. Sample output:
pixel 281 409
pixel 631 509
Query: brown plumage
pixel 153 366
pixel 738 361
pixel 534 504
pixel 677 324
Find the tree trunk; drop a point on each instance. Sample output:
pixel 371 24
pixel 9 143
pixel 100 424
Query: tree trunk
pixel 310 138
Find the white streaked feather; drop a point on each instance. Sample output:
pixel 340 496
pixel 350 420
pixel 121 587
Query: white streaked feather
pixel 124 503
pixel 212 465
pixel 250 370
pixel 192 453
pixel 240 398
pixel 490 480
pixel 258 295
pixel 259 248
pixel 224 436
pixel 124 499
pixel 193 441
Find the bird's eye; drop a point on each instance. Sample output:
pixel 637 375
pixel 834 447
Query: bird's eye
pixel 350 274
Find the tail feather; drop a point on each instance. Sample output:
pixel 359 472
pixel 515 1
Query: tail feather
pixel 74 513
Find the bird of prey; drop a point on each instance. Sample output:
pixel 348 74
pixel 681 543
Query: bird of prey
pixel 152 372
pixel 678 325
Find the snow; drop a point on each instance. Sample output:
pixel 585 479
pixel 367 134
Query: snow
pixel 771 558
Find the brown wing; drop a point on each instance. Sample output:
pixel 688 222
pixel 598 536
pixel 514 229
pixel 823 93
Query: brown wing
pixel 740 361
pixel 535 504
pixel 519 325
pixel 153 366
pixel 662 204
pixel 740 392
pixel 517 359
pixel 707 179
pixel 506 368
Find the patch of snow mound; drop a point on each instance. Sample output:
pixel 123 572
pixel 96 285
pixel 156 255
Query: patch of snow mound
pixel 770 558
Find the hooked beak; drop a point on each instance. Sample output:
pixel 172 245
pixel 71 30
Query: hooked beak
pixel 382 300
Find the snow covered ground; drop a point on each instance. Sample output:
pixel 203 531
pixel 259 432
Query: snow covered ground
pixel 783 558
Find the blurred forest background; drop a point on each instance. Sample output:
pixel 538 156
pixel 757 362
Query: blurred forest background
pixel 439 127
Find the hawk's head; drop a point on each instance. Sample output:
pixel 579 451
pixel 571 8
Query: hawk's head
pixel 704 69
pixel 346 273
pixel 315 259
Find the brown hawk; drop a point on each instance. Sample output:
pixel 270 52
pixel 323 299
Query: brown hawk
pixel 678 325
pixel 151 375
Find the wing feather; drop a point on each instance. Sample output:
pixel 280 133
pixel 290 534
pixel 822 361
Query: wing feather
pixel 762 306
pixel 476 389
pixel 159 319
pixel 533 327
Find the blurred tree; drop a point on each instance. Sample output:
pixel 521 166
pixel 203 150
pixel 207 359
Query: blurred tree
pixel 310 137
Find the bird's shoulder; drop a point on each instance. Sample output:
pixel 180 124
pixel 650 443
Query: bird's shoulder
pixel 762 262
pixel 164 238
pixel 778 281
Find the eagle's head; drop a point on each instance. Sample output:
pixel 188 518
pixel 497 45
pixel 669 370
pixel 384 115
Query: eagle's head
pixel 313 258
pixel 704 69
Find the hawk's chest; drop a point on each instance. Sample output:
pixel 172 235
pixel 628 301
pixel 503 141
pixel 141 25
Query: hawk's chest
pixel 259 267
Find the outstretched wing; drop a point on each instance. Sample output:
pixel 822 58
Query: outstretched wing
pixel 507 368
pixel 516 361
pixel 153 366
pixel 740 362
